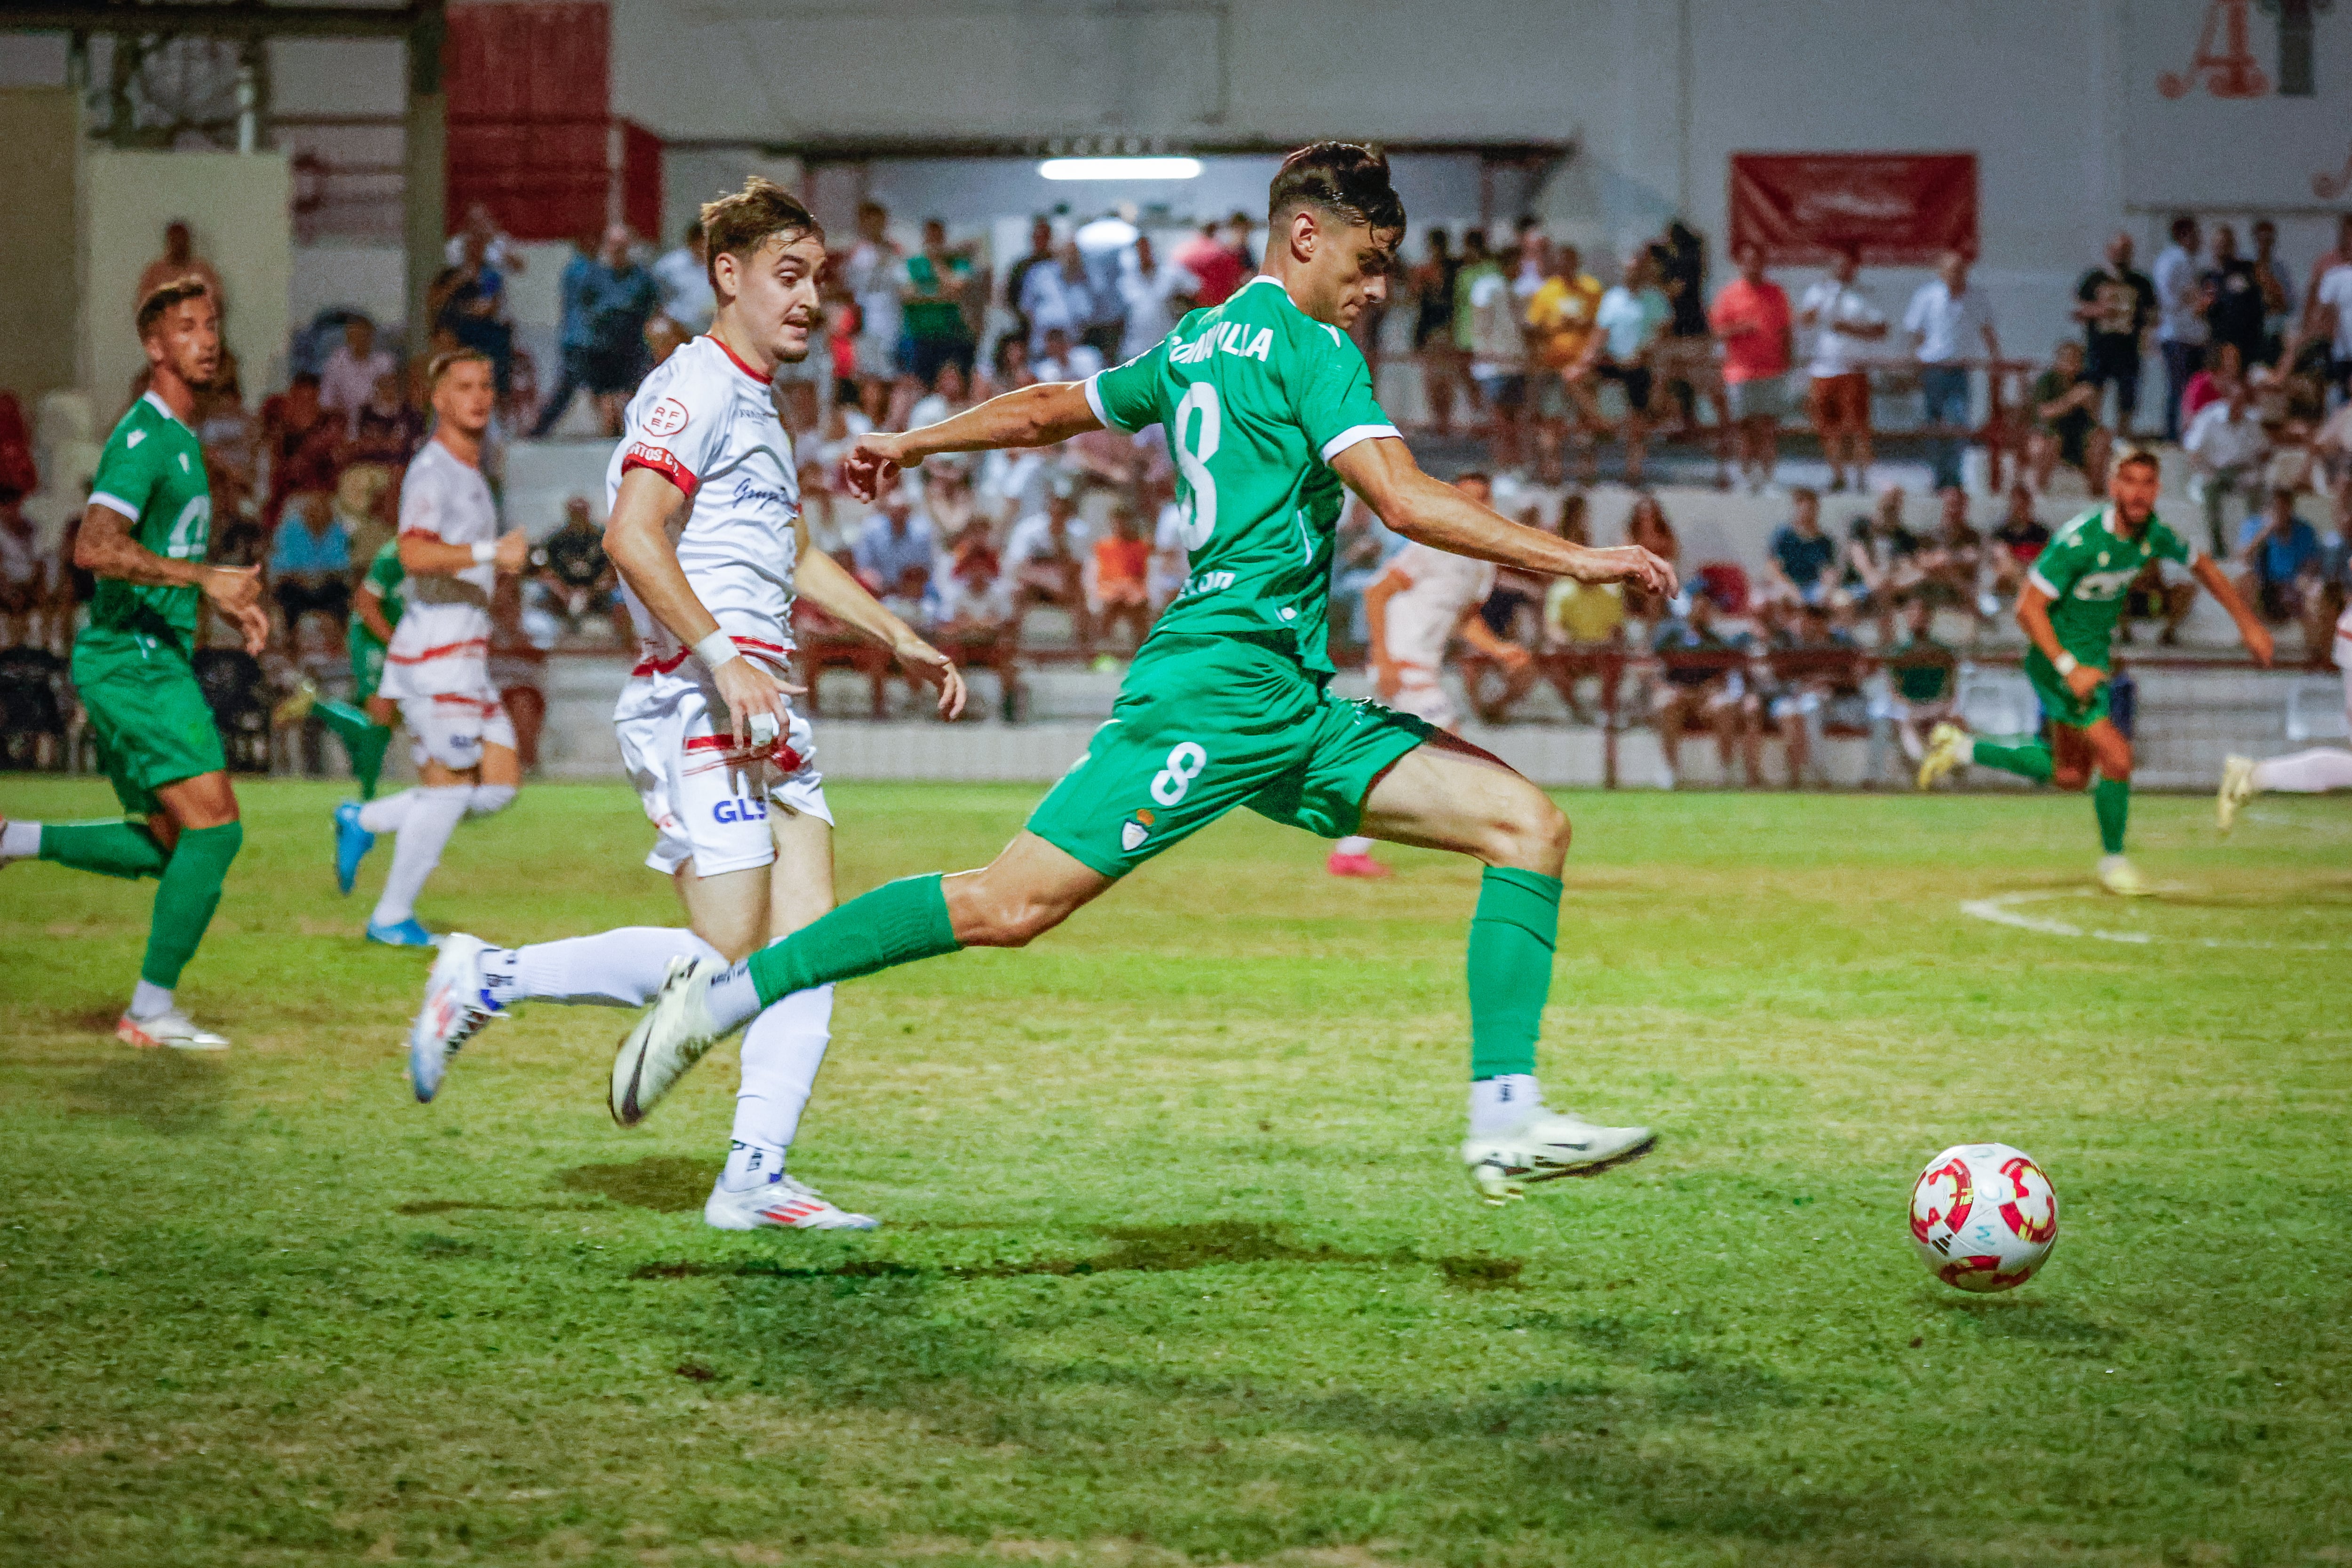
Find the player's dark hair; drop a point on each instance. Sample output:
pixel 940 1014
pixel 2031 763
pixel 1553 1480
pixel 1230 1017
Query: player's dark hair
pixel 1338 177
pixel 163 295
pixel 2126 456
pixel 444 363
pixel 739 224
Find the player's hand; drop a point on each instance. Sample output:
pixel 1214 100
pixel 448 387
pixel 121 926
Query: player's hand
pixel 750 691
pixel 872 465
pixel 514 551
pixel 1624 563
pixel 233 590
pixel 934 669
pixel 252 623
pixel 2085 679
pixel 2258 644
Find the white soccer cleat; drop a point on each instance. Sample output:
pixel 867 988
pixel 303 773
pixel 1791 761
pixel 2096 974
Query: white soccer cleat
pixel 456 1004
pixel 781 1202
pixel 167 1031
pixel 675 1032
pixel 2123 879
pixel 2236 788
pixel 1546 1146
pixel 1947 744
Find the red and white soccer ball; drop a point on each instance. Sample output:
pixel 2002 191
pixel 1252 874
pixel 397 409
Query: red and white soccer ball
pixel 1983 1217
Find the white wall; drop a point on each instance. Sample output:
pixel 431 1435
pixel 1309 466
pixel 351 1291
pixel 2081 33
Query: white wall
pixel 236 207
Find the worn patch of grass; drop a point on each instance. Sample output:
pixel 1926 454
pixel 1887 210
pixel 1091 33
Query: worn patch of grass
pixel 1177 1268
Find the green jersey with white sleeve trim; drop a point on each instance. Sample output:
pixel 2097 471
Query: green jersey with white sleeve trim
pixel 152 472
pixel 2086 570
pixel 1256 398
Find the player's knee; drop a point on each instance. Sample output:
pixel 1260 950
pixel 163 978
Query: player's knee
pixel 1533 835
pixel 2069 777
pixel 488 797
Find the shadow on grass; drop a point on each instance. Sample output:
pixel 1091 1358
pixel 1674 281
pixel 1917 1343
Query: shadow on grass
pixel 1161 1249
pixel 174 1093
pixel 2026 1318
pixel 456 1206
pixel 666 1184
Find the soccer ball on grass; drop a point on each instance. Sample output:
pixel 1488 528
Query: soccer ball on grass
pixel 1983 1217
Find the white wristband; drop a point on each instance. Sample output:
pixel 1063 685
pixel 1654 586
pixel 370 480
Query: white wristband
pixel 716 650
pixel 2064 663
pixel 484 553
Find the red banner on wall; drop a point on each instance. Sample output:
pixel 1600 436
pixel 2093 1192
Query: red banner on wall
pixel 1895 208
pixel 530 125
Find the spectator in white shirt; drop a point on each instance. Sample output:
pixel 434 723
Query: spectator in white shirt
pixel 1846 321
pixel 499 248
pixel 2227 449
pixel 1055 296
pixel 1950 323
pixel 1044 561
pixel 2330 317
pixel 872 273
pixel 1156 295
pixel 348 379
pixel 2180 326
pixel 1061 359
pixel 683 275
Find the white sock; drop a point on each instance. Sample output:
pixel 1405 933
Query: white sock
pixel 732 997
pixel 781 1052
pixel 432 816
pixel 623 968
pixel 19 842
pixel 2312 772
pixel 385 814
pixel 1968 748
pixel 149 1001
pixel 1501 1102
pixel 489 799
pixel 1353 845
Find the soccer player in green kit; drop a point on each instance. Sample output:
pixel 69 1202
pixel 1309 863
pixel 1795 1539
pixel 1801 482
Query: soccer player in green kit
pixel 1269 414
pixel 2068 607
pixel 144 535
pixel 364 723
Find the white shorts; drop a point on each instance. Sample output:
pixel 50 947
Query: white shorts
pixel 452 728
pixel 709 801
pixel 1421 693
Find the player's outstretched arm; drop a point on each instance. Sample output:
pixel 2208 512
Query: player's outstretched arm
pixel 1029 416
pixel 104 547
pixel 638 546
pixel 1428 512
pixel 422 555
pixel 2251 630
pixel 833 588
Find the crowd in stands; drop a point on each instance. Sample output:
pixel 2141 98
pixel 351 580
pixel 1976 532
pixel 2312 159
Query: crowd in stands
pixel 1518 343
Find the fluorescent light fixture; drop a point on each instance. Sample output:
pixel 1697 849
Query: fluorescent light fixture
pixel 1121 168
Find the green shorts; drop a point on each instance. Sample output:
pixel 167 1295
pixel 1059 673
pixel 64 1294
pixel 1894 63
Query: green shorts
pixel 2060 703
pixel 147 712
pixel 1203 724
pixel 367 668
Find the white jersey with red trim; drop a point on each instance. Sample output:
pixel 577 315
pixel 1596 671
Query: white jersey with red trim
pixel 703 421
pixel 442 641
pixel 1422 614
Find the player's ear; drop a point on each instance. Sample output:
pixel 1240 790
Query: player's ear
pixel 1305 231
pixel 726 275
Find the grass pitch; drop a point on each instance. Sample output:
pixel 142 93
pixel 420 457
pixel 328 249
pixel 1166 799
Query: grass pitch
pixel 1178 1267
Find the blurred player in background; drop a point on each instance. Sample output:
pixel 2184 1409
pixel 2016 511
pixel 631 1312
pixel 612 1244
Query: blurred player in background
pixel 1415 608
pixel 707 535
pixel 2311 772
pixel 2068 607
pixel 144 535
pixel 437 665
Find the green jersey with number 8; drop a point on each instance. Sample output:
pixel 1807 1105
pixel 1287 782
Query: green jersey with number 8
pixel 152 472
pixel 1257 397
pixel 2088 568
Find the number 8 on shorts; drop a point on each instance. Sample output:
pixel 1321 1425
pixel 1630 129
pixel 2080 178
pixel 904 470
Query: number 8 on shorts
pixel 1185 760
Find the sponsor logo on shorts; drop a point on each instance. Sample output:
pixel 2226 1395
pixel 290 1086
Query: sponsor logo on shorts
pixel 1134 830
pixel 733 810
pixel 666 417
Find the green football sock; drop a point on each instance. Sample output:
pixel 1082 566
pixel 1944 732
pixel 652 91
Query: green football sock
pixel 2031 760
pixel 2111 797
pixel 111 848
pixel 191 891
pixel 895 923
pixel 1512 936
pixel 364 739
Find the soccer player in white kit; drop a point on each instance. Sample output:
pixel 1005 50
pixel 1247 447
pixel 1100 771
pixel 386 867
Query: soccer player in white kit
pixel 437 666
pixel 705 530
pixel 1422 599
pixel 2311 772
